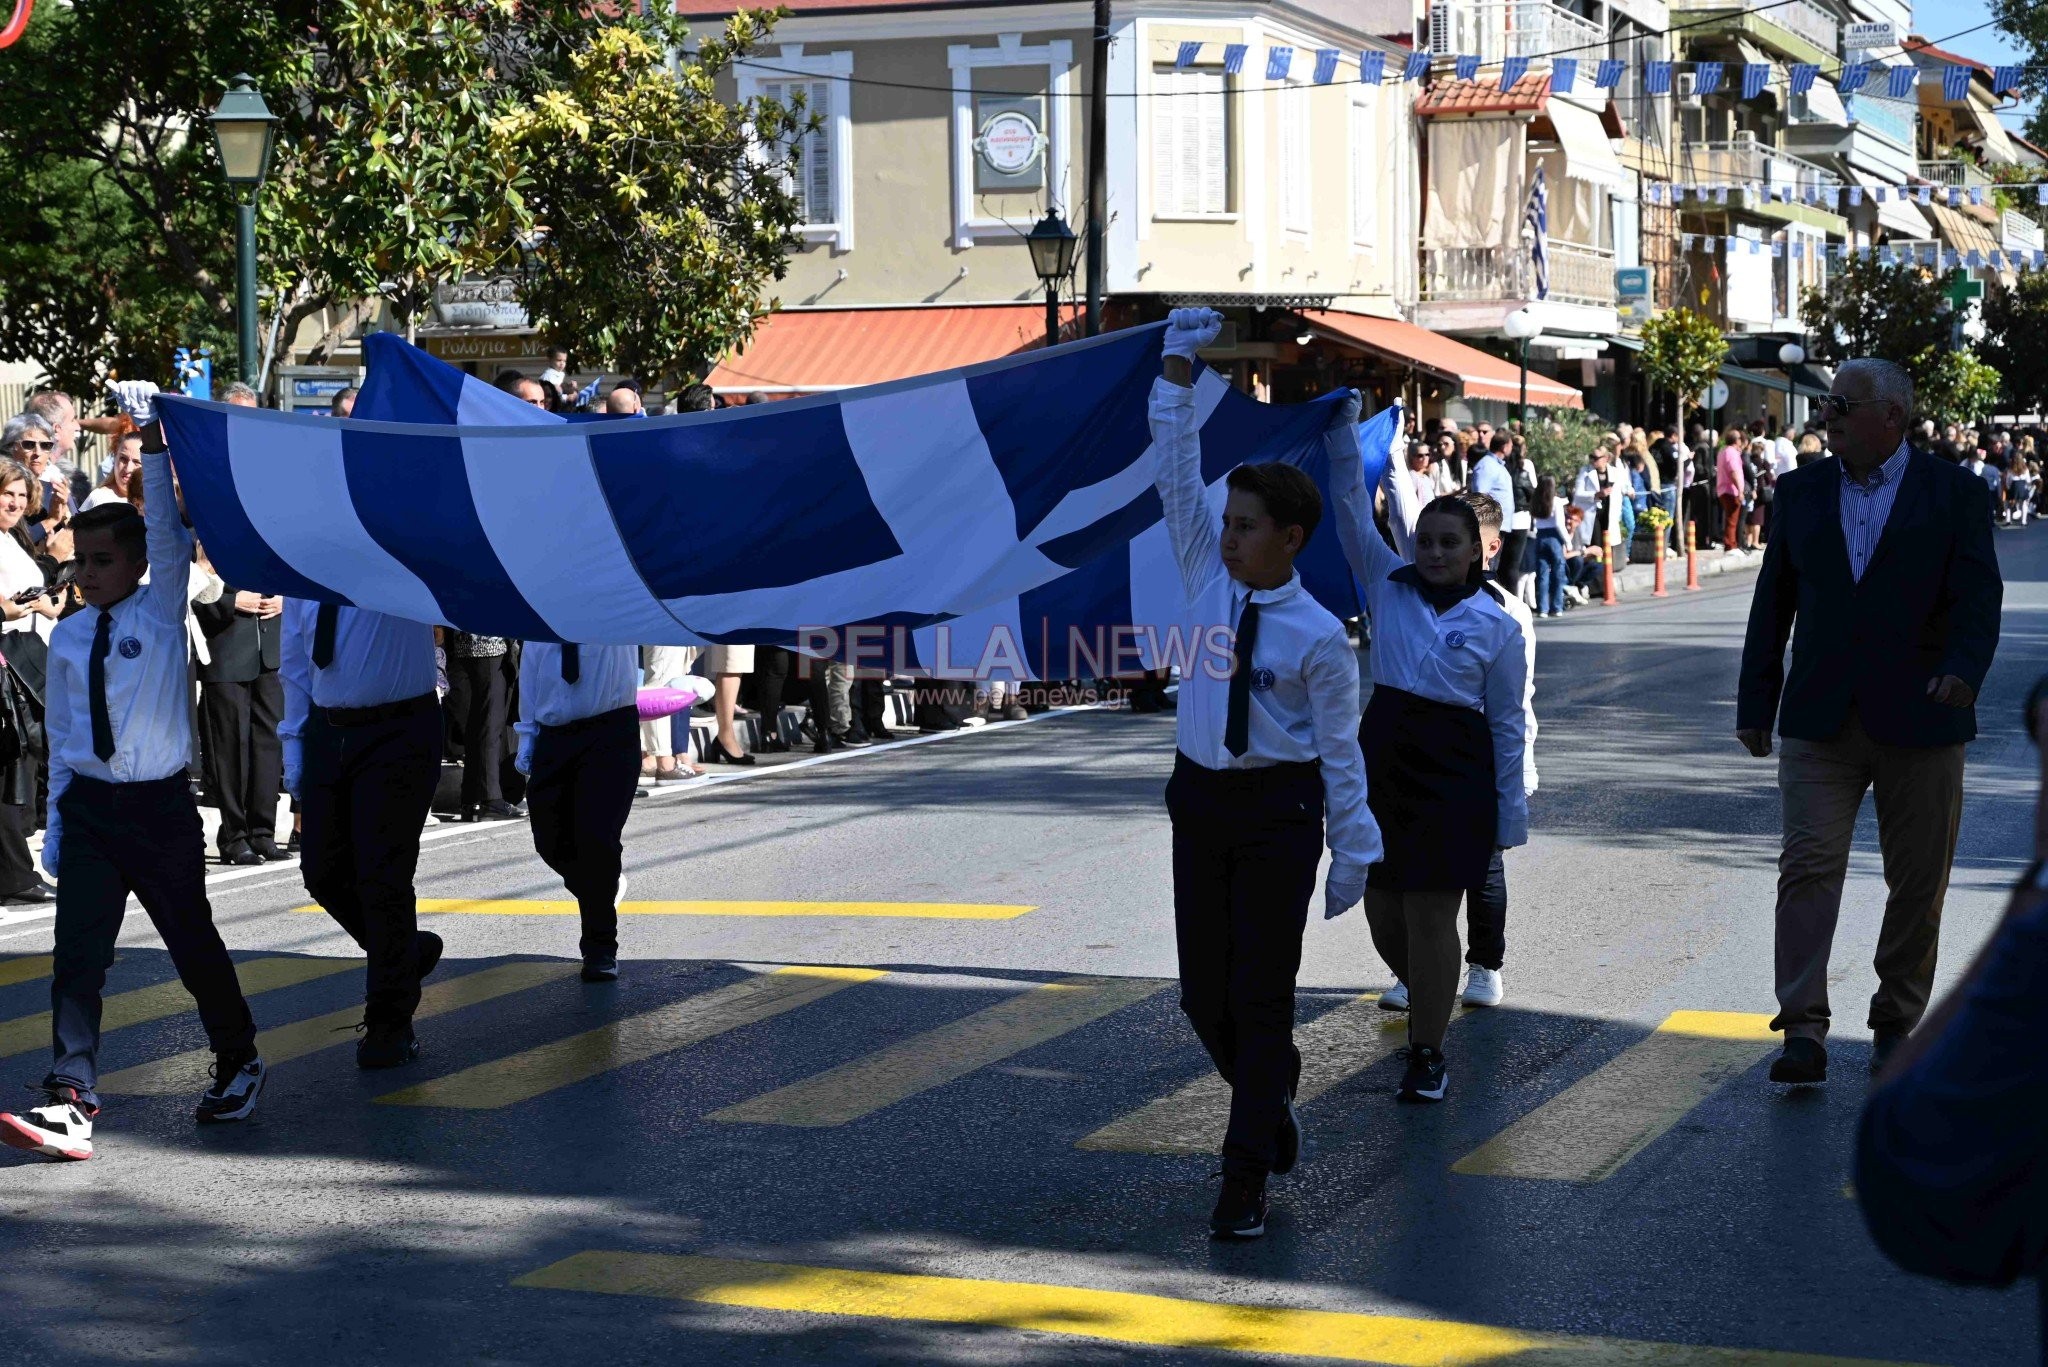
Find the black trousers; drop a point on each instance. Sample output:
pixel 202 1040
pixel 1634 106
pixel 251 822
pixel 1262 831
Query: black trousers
pixel 243 757
pixel 870 708
pixel 1513 548
pixel 1246 844
pixel 579 795
pixel 476 693
pixel 363 800
pixel 17 870
pixel 143 838
pixel 1486 925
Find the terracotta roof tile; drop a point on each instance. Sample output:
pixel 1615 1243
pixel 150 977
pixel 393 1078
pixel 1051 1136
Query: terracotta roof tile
pixel 1484 96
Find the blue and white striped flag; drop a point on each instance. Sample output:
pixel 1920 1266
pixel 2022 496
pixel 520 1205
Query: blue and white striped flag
pixel 1372 68
pixel 1564 74
pixel 1416 68
pixel 1512 69
pixel 1007 506
pixel 1855 76
pixel 1608 76
pixel 1278 60
pixel 1902 80
pixel 2004 78
pixel 1955 83
pixel 1185 58
pixel 1536 223
pixel 1233 58
pixel 1706 77
pixel 1465 67
pixel 1656 77
pixel 1326 65
pixel 1803 74
pixel 1755 76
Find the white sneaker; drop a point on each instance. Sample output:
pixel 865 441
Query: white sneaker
pixel 1395 998
pixel 234 1091
pixel 60 1127
pixel 1482 986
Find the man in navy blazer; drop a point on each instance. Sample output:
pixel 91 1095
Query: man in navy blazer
pixel 1882 557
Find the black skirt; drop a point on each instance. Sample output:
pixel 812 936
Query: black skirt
pixel 1429 781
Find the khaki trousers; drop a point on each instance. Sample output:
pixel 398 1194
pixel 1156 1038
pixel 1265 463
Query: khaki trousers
pixel 1919 795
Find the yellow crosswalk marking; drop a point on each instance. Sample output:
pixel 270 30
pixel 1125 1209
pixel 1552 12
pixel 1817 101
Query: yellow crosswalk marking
pixel 1587 1131
pixel 1334 1046
pixel 940 911
pixel 26 969
pixel 159 1000
pixel 939 1056
pixel 183 1072
pixel 1265 1331
pixel 693 1020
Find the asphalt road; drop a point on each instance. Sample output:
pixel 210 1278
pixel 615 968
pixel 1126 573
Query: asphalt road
pixel 982 1134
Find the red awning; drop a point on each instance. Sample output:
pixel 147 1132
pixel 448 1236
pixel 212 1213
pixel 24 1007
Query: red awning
pixel 806 351
pixel 1480 375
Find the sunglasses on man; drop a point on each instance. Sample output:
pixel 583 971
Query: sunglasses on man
pixel 1840 404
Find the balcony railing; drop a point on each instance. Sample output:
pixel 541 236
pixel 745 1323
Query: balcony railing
pixel 1962 173
pixel 1578 275
pixel 1889 118
pixel 1496 29
pixel 1799 18
pixel 1745 161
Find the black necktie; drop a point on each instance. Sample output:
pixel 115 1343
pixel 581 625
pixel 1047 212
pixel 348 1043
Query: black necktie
pixel 572 663
pixel 96 684
pixel 323 635
pixel 1237 723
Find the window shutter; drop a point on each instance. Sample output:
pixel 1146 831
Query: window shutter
pixel 1294 158
pixel 1166 130
pixel 1211 133
pixel 817 168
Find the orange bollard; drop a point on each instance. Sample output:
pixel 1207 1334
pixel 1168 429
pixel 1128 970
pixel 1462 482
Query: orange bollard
pixel 1692 555
pixel 1607 598
pixel 1658 591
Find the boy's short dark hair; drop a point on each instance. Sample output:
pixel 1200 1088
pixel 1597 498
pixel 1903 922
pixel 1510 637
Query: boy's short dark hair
pixel 1290 496
pixel 1484 507
pixel 121 521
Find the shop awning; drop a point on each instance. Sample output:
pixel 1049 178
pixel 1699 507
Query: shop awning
pixel 807 351
pixel 1478 374
pixel 1588 152
pixel 1961 231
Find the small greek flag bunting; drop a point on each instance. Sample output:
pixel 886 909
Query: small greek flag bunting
pixel 1976 259
pixel 2040 258
pixel 1536 222
pixel 1955 196
pixel 1278 59
pixel 1706 77
pixel 1326 65
pixel 1855 76
pixel 2004 78
pixel 1465 67
pixel 1955 84
pixel 1903 79
pixel 1720 194
pixel 1512 70
pixel 1886 256
pixel 1656 78
pixel 1777 251
pixel 1372 68
pixel 1564 74
pixel 1655 192
pixel 1686 241
pixel 1233 57
pixel 1798 251
pixel 1417 68
pixel 1609 74
pixel 1976 193
pixel 1877 193
pixel 1186 56
pixel 1855 195
pixel 1802 77
pixel 1926 194
pixel 1756 247
pixel 1755 76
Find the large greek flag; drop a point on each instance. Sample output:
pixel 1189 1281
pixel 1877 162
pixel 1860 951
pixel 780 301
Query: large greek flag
pixel 996 516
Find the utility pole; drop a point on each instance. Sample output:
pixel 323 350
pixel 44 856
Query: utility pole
pixel 1098 172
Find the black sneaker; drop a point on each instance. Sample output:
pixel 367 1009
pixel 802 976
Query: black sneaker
pixel 429 951
pixel 1287 1149
pixel 603 969
pixel 1804 1062
pixel 237 1082
pixel 1240 1209
pixel 1427 1078
pixel 387 1045
pixel 1883 1044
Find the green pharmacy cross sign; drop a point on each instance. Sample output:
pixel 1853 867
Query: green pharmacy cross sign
pixel 1962 289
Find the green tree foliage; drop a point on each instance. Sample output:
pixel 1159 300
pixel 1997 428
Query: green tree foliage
pixel 1954 386
pixel 1898 312
pixel 2016 341
pixel 2026 22
pixel 1682 353
pixel 1563 440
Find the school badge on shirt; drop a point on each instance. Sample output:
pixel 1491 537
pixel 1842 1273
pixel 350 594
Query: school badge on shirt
pixel 1262 680
pixel 1454 639
pixel 130 647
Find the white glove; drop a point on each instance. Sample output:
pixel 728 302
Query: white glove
pixel 294 764
pixel 53 839
pixel 1189 330
pixel 137 399
pixel 1343 889
pixel 1348 410
pixel 523 761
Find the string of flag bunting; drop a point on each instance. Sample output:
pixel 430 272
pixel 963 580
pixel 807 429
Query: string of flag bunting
pixel 1896 82
pixel 1927 254
pixel 1832 196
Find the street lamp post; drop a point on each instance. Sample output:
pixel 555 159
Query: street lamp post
pixel 1521 326
pixel 1052 245
pixel 244 133
pixel 1789 355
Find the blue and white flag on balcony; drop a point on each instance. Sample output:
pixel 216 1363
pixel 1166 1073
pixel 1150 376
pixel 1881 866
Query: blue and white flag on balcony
pixel 1755 76
pixel 1656 77
pixel 1185 57
pixel 1465 67
pixel 1278 60
pixel 1536 227
pixel 1512 70
pixel 1012 498
pixel 1955 83
pixel 1855 75
pixel 1372 68
pixel 1417 67
pixel 1233 57
pixel 1706 77
pixel 1803 74
pixel 2004 78
pixel 1564 74
pixel 1326 65
pixel 1902 79
pixel 1609 74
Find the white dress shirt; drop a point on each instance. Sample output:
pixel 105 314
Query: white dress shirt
pixel 19 571
pixel 1310 709
pixel 148 699
pixel 607 678
pixel 377 660
pixel 1472 655
pixel 1401 516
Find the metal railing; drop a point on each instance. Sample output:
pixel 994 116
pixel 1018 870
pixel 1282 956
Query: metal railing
pixel 1746 161
pixel 1958 172
pixel 1799 18
pixel 1532 28
pixel 1578 275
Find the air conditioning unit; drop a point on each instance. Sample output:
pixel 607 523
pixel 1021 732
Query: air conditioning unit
pixel 1449 28
pixel 1743 135
pixel 1688 87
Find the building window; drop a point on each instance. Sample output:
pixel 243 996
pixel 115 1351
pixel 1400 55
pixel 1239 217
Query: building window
pixel 1190 144
pixel 1364 200
pixel 1294 166
pixel 997 190
pixel 824 174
